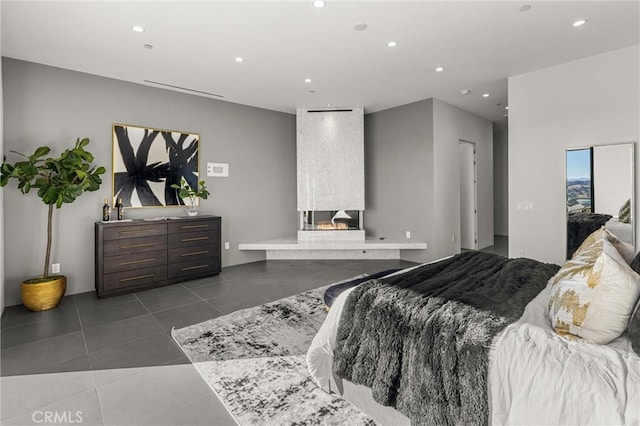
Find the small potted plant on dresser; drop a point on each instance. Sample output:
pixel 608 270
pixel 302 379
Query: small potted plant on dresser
pixel 58 180
pixel 187 192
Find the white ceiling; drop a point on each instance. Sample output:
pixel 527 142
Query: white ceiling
pixel 479 43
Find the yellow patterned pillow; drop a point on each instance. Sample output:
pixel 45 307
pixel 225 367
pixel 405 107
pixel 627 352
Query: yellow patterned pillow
pixel 626 250
pixel 594 237
pixel 594 294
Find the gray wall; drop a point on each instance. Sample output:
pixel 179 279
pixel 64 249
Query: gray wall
pixel 450 126
pixel 411 166
pixel 501 182
pixel 45 105
pixel 591 101
pixel 399 174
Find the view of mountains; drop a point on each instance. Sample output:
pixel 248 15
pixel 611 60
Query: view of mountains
pixel 579 192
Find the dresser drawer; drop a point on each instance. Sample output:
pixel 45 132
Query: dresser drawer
pixel 139 277
pixel 190 269
pixel 188 254
pixel 193 239
pixel 130 262
pixel 133 231
pixel 135 245
pixel 193 226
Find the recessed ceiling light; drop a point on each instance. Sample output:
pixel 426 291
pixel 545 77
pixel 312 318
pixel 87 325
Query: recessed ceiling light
pixel 137 28
pixel 307 80
pixel 525 8
pixel 148 46
pixel 239 59
pixel 439 69
pixel 465 91
pixel 360 27
pixel 319 3
pixel 579 22
pixel 485 95
pixel 392 44
pixel 506 107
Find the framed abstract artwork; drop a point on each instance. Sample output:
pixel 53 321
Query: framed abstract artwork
pixel 146 162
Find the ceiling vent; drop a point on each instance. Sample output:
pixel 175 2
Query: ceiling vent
pixel 184 88
pixel 329 110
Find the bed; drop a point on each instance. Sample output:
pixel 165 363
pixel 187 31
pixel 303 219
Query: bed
pixel 533 375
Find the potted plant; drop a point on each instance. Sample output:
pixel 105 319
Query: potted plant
pixel 58 180
pixel 185 191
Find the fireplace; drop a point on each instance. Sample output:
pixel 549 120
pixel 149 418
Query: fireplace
pixel 330 225
pixel 330 174
pixel 330 192
pixel 334 220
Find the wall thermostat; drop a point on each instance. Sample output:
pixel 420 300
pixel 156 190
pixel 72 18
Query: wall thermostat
pixel 218 169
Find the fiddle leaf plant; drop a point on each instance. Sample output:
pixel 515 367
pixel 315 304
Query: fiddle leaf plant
pixel 186 191
pixel 58 180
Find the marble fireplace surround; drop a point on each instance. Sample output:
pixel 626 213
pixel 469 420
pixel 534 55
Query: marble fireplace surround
pixel 330 159
pixel 330 177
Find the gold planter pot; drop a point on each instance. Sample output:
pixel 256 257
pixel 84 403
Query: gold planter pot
pixel 39 294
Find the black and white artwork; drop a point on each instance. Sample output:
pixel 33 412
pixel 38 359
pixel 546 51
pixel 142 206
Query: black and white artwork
pixel 146 162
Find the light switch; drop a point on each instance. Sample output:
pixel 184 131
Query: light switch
pixel 525 206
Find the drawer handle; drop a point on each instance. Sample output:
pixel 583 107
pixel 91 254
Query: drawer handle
pixel 138 245
pixel 184 240
pixel 139 277
pixel 194 253
pixel 131 262
pixel 194 267
pixel 136 230
pixel 194 226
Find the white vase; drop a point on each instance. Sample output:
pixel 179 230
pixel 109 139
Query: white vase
pixel 192 208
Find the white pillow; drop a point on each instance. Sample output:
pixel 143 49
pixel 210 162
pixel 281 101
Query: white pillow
pixel 594 294
pixel 626 250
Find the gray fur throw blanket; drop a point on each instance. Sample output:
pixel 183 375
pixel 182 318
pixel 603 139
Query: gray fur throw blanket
pixel 421 340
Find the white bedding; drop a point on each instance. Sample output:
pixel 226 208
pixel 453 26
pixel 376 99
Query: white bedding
pixel 535 376
pixel 539 377
pixel 624 231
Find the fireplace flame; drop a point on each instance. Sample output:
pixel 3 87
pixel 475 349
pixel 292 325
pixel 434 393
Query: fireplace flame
pixel 328 226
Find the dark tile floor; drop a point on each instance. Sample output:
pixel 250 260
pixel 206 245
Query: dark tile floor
pixel 500 246
pixel 115 360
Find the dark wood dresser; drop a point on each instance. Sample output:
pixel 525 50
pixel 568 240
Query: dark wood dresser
pixel 140 254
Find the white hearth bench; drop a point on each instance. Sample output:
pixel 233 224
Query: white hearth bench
pixel 368 248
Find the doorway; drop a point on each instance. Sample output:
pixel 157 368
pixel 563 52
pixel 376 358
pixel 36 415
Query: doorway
pixel 468 196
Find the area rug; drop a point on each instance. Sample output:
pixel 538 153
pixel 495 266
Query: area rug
pixel 254 360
